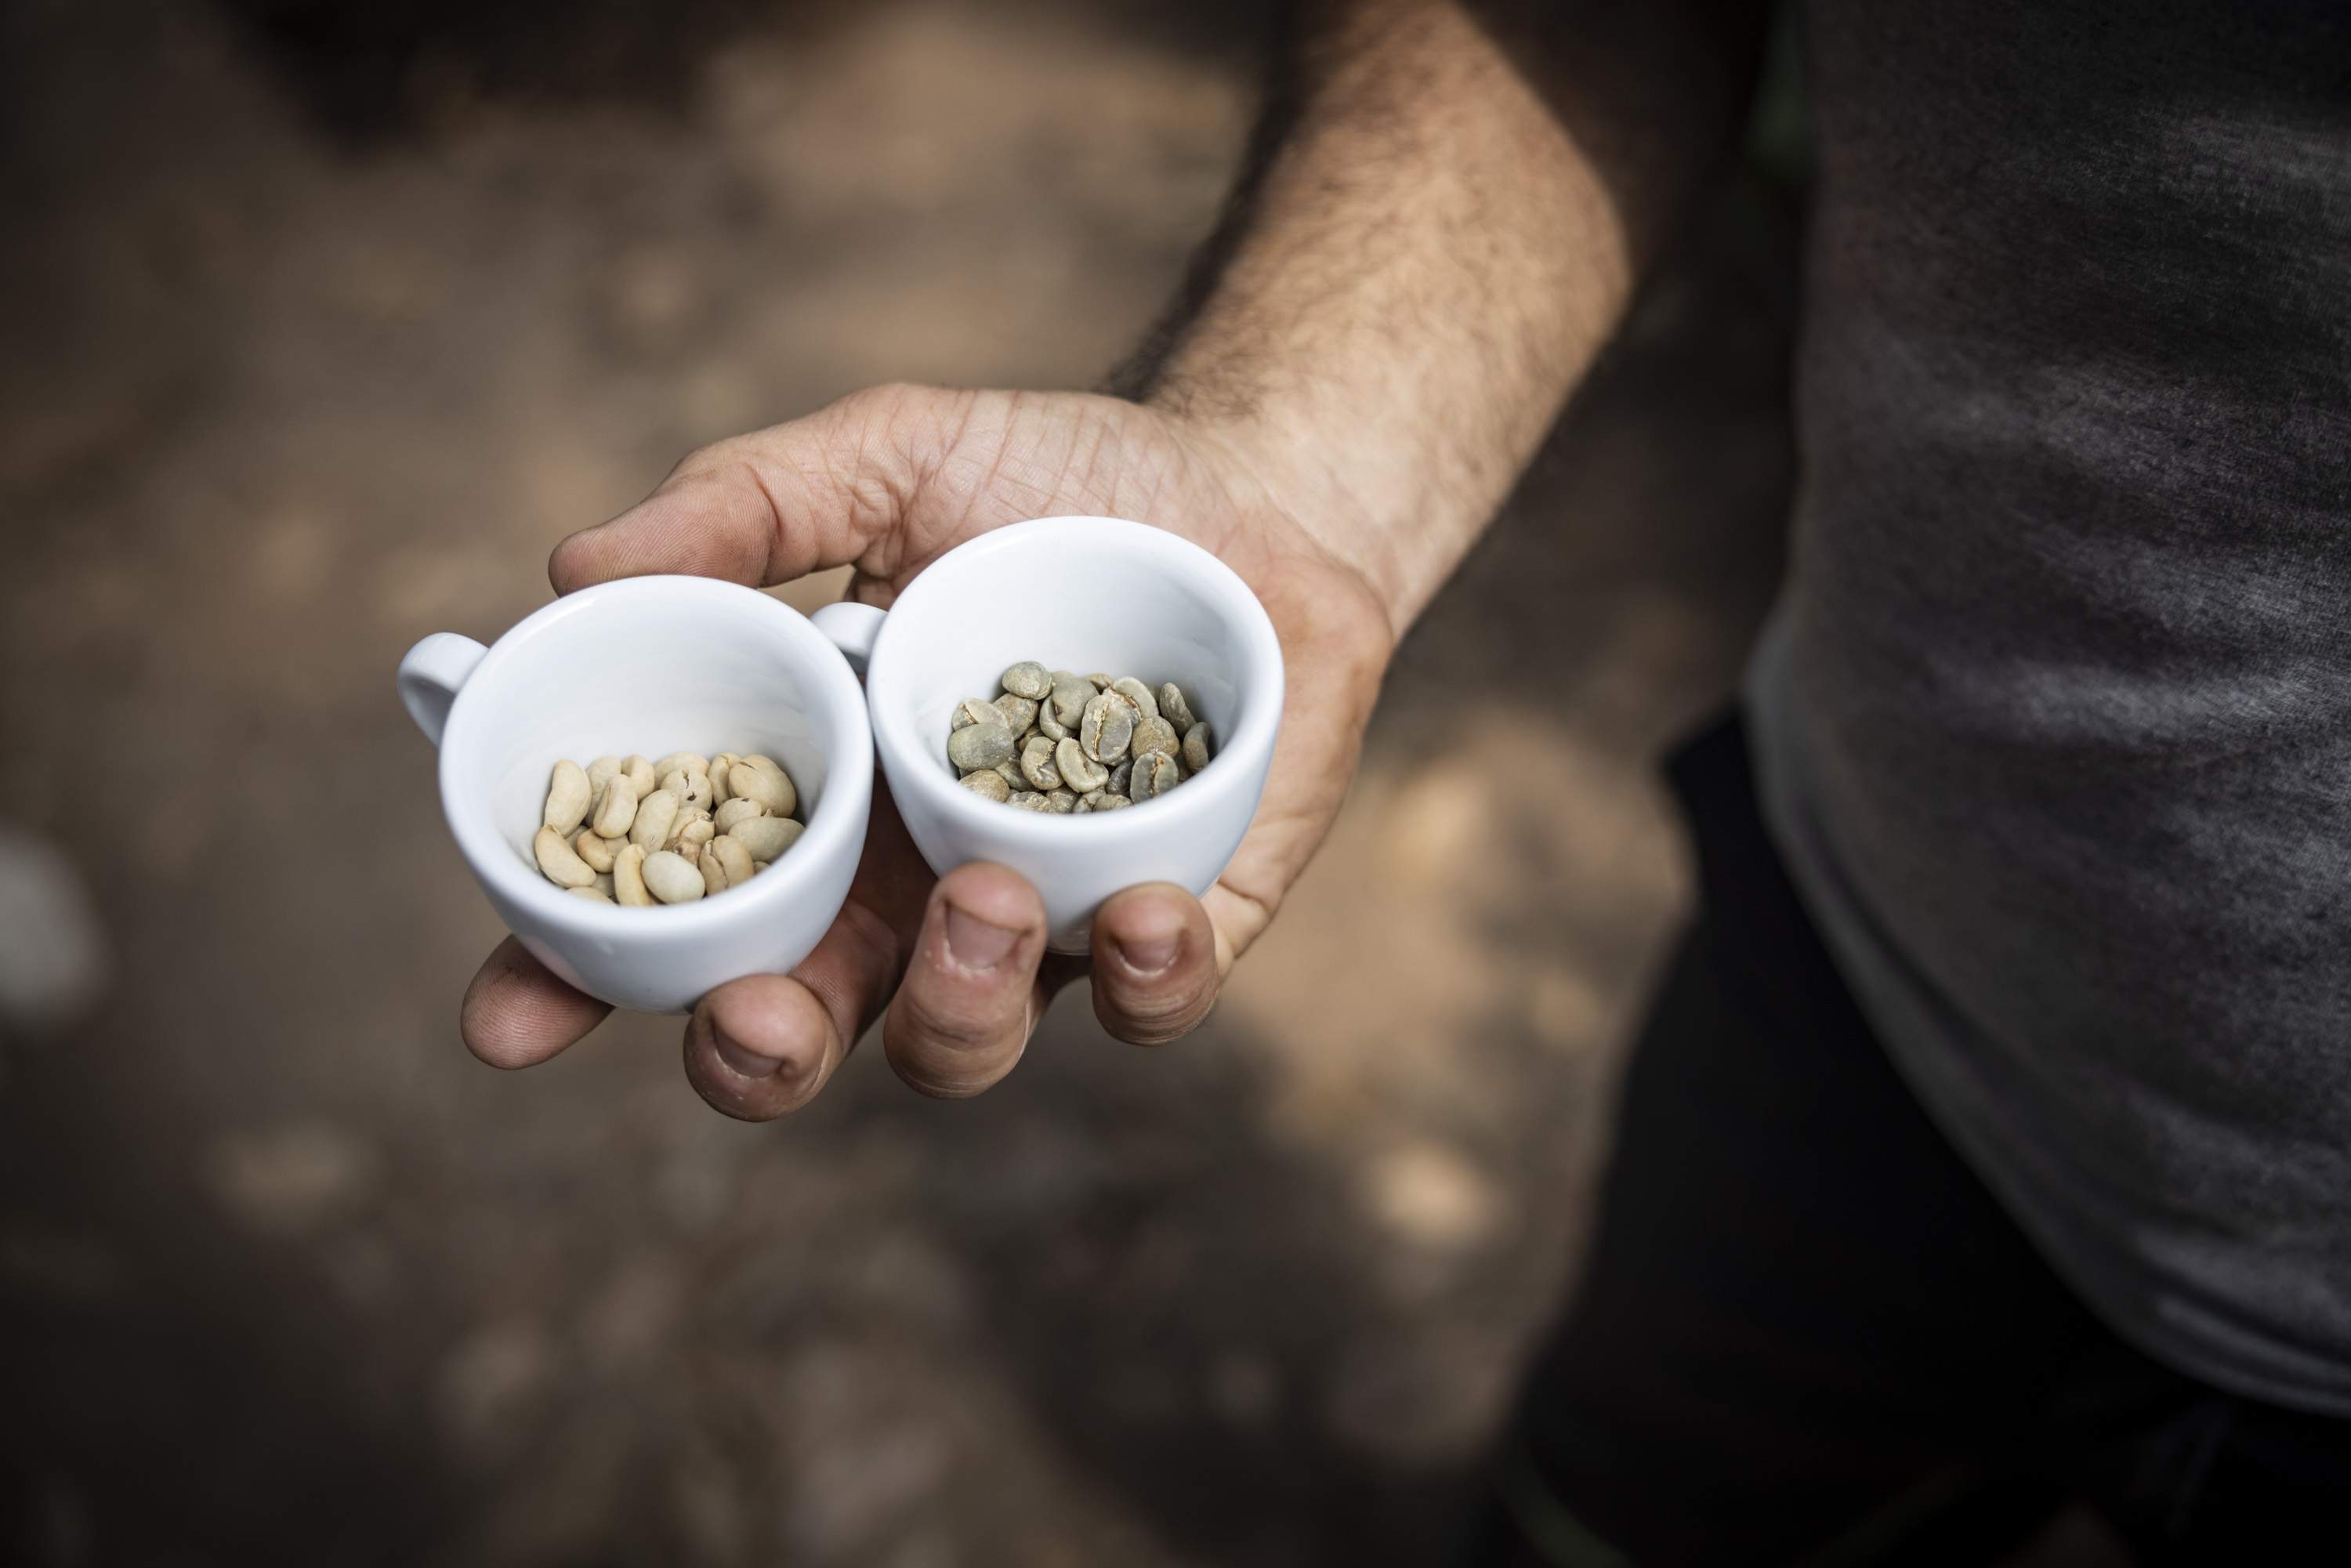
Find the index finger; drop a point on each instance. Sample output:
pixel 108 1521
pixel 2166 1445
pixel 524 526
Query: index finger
pixel 768 506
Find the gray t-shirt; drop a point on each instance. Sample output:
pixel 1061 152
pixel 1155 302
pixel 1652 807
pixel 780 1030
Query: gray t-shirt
pixel 2053 719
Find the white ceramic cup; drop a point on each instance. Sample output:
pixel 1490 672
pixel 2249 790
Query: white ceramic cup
pixel 1083 594
pixel 650 665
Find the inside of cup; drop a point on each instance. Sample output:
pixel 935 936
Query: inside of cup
pixel 1048 597
pixel 640 672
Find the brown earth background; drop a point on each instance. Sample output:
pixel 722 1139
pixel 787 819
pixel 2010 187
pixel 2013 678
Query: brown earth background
pixel 318 324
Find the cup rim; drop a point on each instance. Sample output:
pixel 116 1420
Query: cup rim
pixel 844 727
pixel 1250 747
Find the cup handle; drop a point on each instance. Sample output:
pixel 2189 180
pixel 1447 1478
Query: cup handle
pixel 852 628
pixel 431 674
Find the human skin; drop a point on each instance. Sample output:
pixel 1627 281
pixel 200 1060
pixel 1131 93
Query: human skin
pixel 1445 215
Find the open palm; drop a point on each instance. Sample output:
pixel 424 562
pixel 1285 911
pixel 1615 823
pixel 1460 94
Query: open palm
pixel 886 481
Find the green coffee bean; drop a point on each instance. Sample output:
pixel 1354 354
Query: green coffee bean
pixel 1036 765
pixel 1154 735
pixel 1028 679
pixel 981 744
pixel 988 782
pixel 1019 712
pixel 1079 771
pixel 1199 746
pixel 1174 709
pixel 1105 726
pixel 1154 775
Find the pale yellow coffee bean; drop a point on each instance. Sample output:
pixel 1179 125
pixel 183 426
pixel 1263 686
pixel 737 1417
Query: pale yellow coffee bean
pixel 1077 771
pixel 1199 746
pixel 603 882
pixel 618 809
pixel 567 798
pixel 714 875
pixel 563 865
pixel 629 877
pixel 765 764
pixel 1174 709
pixel 700 830
pixel 672 878
pixel 596 849
pixel 692 788
pixel 656 815
pixel 680 762
pixel 730 853
pixel 988 783
pixel 765 837
pixel 719 793
pixel 595 894
pixel 1138 694
pixel 772 790
pixel 600 773
pixel 741 809
pixel 640 774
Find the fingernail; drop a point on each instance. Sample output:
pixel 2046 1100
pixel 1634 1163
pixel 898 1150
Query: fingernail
pixel 748 1063
pixel 974 942
pixel 1149 952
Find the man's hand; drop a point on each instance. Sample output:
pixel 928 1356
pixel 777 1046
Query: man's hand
pixel 885 481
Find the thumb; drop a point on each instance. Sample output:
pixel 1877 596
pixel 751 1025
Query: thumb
pixel 779 502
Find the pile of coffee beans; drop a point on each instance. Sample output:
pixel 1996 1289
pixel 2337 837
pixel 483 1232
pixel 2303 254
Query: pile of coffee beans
pixel 630 830
pixel 1052 740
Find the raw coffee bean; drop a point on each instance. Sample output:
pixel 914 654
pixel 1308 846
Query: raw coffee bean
pixel 732 854
pixel 979 746
pixel 1081 809
pixel 1109 803
pixel 1049 726
pixel 1018 713
pixel 1199 746
pixel 988 782
pixel 680 762
pixel 1138 694
pixel 629 877
pixel 1174 709
pixel 765 837
pixel 596 851
pixel 693 836
pixel 1077 771
pixel 592 893
pixel 640 773
pixel 1102 682
pixel 1010 773
pixel 1153 776
pixel 1070 699
pixel 1154 735
pixel 567 798
pixel 1120 777
pixel 603 884
pixel 556 858
pixel 656 816
pixel 1106 728
pixel 672 879
pixel 741 809
pixel 1060 802
pixel 1028 799
pixel 692 789
pixel 1036 765
pixel 765 764
pixel 1028 679
pixel 600 773
pixel 618 807
pixel 972 710
pixel 714 875
pixel 772 790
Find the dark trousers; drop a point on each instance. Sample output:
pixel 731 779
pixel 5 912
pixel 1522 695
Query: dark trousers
pixel 1806 1332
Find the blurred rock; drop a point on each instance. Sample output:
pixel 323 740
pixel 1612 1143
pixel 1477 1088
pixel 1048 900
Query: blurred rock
pixel 293 1180
pixel 52 951
pixel 1430 1195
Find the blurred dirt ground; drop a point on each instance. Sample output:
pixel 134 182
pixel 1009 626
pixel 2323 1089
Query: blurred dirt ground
pixel 319 332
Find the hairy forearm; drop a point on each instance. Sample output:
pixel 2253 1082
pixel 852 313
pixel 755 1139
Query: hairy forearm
pixel 1442 233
